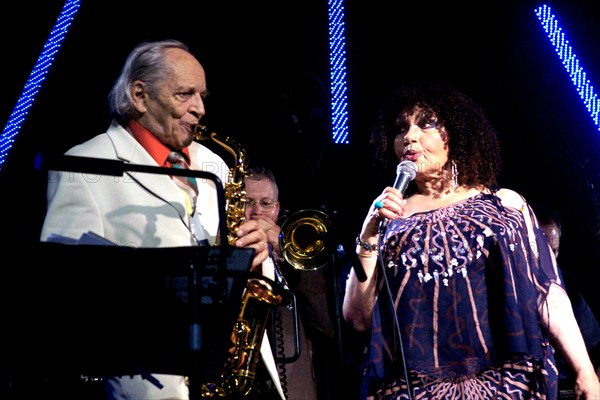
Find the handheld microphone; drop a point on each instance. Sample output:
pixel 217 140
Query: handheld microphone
pixel 405 172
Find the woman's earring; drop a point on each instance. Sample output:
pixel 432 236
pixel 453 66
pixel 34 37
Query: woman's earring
pixel 454 175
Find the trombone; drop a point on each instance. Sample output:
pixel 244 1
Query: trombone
pixel 304 240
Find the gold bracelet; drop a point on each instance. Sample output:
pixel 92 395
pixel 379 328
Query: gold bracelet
pixel 365 245
pixel 372 255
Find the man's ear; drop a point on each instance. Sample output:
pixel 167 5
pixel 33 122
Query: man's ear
pixel 138 95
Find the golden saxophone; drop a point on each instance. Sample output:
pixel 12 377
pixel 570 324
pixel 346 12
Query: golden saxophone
pixel 235 196
pixel 246 338
pixel 237 376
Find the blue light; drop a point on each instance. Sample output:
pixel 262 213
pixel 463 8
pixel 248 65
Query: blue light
pixel 37 76
pixel 569 61
pixel 337 61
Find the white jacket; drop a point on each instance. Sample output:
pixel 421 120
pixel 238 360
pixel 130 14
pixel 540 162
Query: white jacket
pixel 138 210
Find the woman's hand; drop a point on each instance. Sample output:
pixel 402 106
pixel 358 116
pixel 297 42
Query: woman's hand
pixel 587 386
pixel 388 205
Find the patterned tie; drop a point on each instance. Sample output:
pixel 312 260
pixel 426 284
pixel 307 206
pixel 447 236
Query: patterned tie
pixel 187 184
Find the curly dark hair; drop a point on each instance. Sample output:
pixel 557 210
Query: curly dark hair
pixel 472 140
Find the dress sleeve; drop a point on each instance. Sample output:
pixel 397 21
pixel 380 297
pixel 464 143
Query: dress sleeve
pixel 546 259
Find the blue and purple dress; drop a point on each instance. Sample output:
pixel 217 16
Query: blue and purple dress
pixel 462 289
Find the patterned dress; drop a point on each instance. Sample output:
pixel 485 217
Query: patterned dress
pixel 465 282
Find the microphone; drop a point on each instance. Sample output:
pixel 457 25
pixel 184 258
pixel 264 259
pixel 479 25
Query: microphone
pixel 405 172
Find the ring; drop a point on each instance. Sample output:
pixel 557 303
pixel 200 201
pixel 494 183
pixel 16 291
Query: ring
pixel 378 205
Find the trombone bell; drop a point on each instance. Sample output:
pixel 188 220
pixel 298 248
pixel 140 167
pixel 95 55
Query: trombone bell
pixel 304 239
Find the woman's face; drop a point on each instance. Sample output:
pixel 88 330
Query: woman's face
pixel 421 139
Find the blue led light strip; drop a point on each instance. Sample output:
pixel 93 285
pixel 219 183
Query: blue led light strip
pixel 37 76
pixel 569 61
pixel 337 60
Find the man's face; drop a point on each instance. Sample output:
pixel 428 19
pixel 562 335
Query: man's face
pixel 552 234
pixel 261 199
pixel 172 111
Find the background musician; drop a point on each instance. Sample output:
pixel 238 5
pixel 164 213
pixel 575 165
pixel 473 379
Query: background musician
pixel 310 376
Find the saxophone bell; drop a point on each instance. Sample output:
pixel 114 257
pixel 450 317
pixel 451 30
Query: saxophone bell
pixel 239 372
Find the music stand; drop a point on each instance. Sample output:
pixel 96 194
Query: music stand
pixel 109 310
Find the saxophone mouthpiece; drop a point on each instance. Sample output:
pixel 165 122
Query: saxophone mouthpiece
pixel 199 131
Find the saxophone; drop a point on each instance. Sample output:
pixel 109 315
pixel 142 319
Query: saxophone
pixel 235 196
pixel 237 376
pixel 246 338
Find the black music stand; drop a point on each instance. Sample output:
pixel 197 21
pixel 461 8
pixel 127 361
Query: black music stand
pixel 108 310
pixel 98 310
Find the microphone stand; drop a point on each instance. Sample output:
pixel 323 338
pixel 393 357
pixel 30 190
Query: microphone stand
pixel 382 230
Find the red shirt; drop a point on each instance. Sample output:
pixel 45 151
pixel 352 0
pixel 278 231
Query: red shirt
pixel 153 146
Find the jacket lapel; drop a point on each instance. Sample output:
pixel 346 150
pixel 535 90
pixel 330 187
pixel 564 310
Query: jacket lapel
pixel 130 151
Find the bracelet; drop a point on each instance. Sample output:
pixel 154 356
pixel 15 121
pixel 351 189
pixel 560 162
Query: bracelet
pixel 365 245
pixel 372 255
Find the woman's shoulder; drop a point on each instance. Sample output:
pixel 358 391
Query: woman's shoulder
pixel 511 198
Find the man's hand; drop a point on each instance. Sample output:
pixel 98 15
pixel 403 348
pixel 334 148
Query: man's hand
pixel 272 230
pixel 253 234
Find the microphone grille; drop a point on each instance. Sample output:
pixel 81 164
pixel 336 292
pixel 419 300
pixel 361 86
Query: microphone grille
pixel 407 167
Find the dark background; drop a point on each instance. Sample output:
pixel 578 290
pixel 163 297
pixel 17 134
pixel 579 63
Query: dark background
pixel 267 66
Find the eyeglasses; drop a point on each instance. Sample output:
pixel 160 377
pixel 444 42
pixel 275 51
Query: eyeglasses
pixel 265 204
